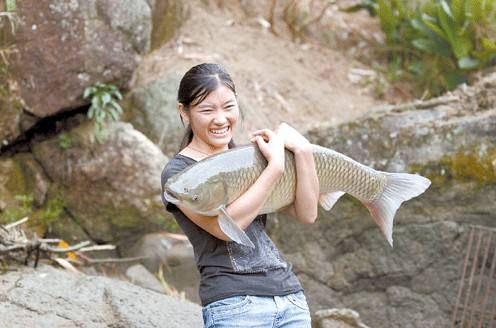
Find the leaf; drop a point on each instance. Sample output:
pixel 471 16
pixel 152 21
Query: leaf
pixel 430 23
pixel 117 94
pixel 113 114
pixel 91 112
pixel 458 10
pixel 431 46
pixel 447 9
pixel 489 8
pixel 447 26
pixel 100 116
pixel 386 16
pixel 488 44
pixel 453 80
pixel 10 5
pixel 116 106
pixel 106 98
pixel 475 10
pixel 468 63
pixel 88 91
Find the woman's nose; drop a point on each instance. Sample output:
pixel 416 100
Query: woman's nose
pixel 220 118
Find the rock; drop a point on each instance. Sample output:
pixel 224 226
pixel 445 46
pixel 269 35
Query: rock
pixel 152 109
pixel 49 297
pixel 23 175
pixel 168 16
pixel 338 318
pixel 172 252
pixel 22 184
pixel 449 139
pixel 140 276
pixel 74 43
pixel 112 190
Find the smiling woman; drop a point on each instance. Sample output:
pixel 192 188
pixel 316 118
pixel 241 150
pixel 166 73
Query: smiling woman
pixel 211 121
pixel 240 286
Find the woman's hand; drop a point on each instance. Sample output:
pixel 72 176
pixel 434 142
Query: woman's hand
pixel 271 145
pixel 293 140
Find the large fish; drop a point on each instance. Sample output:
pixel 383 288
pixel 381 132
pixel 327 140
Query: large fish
pixel 209 185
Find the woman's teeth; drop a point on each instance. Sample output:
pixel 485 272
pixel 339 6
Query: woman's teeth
pixel 219 132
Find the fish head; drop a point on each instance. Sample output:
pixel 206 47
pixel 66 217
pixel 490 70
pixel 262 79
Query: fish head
pixel 204 197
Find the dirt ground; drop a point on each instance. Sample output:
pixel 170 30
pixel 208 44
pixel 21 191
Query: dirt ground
pixel 277 80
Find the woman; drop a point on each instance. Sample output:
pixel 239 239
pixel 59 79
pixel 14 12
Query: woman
pixel 240 286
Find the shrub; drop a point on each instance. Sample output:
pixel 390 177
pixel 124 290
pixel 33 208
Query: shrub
pixel 437 44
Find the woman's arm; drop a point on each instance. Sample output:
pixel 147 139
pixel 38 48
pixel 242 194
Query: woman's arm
pixel 246 207
pixel 305 206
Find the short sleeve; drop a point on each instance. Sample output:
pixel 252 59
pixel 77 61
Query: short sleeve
pixel 174 166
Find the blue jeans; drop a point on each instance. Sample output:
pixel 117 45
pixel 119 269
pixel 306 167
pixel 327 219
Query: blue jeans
pixel 288 311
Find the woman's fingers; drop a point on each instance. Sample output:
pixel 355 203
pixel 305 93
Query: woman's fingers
pixel 266 134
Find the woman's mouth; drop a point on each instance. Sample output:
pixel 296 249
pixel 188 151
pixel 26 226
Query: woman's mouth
pixel 220 132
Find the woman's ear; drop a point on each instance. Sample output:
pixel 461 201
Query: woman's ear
pixel 183 113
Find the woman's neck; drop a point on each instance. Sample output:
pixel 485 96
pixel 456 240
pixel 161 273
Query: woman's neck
pixel 199 150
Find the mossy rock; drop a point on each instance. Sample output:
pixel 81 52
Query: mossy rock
pixel 168 16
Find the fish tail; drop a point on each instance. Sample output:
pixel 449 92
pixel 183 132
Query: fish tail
pixel 399 187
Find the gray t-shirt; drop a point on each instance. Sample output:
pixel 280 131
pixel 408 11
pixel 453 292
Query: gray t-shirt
pixel 227 268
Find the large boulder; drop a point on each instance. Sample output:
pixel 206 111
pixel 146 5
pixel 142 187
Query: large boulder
pixel 152 109
pixel 76 44
pixel 49 297
pixel 111 189
pixel 344 260
pixel 64 46
pixel 173 255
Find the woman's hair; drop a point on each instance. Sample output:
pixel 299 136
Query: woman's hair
pixel 196 85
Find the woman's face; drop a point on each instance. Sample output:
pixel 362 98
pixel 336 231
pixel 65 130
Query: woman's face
pixel 214 119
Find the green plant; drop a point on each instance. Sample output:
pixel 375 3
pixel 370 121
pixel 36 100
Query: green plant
pixel 65 141
pixel 10 5
pixel 52 210
pixel 104 106
pixel 436 44
pixel 23 207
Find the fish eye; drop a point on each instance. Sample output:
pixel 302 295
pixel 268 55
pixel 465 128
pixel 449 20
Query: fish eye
pixel 196 197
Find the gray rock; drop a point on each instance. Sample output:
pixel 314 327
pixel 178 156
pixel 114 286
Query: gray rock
pixel 49 297
pixel 74 43
pixel 112 189
pixel 88 41
pixel 338 318
pixel 168 16
pixel 174 254
pixel 343 259
pixel 151 109
pixel 22 176
pixel 140 276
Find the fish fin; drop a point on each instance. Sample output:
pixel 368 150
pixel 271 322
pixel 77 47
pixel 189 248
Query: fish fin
pixel 232 230
pixel 399 187
pixel 328 200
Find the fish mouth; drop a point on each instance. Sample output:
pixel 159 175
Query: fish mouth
pixel 170 197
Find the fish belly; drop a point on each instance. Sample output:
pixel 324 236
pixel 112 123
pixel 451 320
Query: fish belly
pixel 335 171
